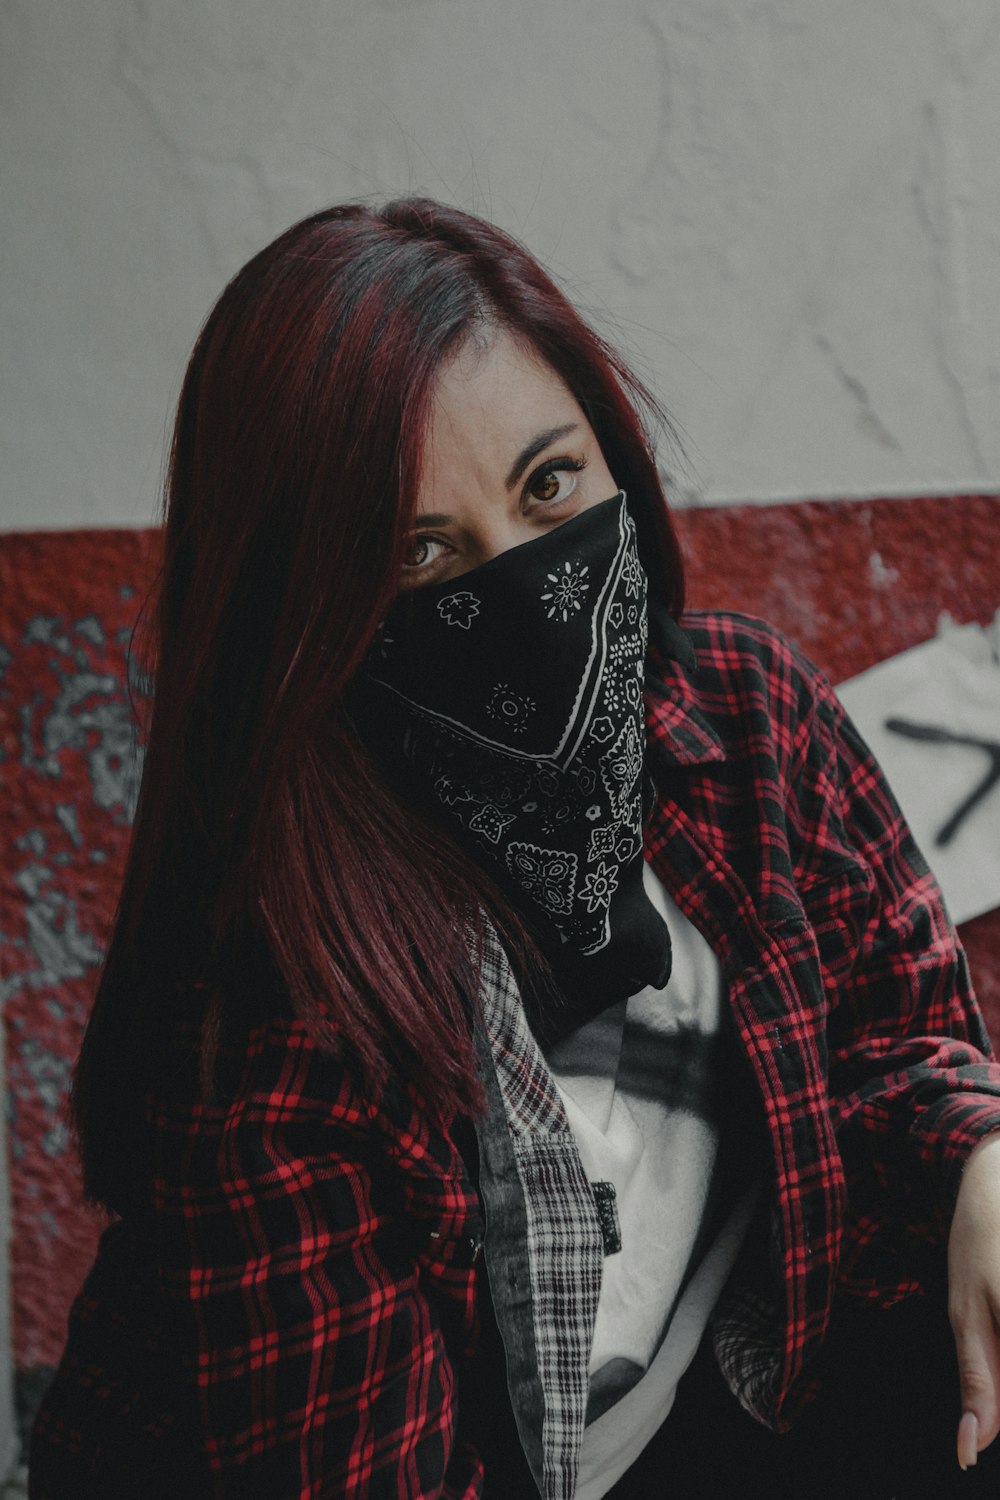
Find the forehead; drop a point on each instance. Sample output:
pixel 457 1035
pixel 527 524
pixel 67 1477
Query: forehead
pixel 494 393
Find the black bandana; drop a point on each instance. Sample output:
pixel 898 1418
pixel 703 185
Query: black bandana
pixel 510 700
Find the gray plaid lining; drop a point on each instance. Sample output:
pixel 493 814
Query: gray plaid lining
pixel 564 1248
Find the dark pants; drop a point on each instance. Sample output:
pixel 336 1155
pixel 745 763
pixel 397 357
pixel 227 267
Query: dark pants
pixel 883 1427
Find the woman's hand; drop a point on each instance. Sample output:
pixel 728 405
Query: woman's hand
pixel 974 1297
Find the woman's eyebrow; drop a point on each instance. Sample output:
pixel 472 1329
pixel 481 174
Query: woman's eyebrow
pixel 535 447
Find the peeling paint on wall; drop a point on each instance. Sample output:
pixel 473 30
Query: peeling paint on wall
pixel 70 767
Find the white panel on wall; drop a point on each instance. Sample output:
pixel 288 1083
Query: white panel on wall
pixel 786 210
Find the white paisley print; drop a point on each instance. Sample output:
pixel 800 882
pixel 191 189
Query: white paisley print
pixel 603 841
pixel 599 886
pixel 621 768
pixel 547 875
pixel 568 587
pixel 511 709
pixel 459 609
pixel 632 576
pixel 491 822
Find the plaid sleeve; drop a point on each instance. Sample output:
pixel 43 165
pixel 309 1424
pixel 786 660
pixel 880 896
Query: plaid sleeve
pixel 321 1278
pixel 912 1074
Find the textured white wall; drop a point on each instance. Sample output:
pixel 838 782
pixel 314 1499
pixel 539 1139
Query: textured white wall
pixel 787 209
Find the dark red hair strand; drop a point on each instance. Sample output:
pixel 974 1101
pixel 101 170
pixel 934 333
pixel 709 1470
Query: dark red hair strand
pixel 270 864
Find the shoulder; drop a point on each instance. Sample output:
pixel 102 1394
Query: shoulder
pixel 731 647
pixel 748 683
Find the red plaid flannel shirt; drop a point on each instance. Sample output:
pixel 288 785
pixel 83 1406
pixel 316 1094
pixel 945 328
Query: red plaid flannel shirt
pixel 310 1264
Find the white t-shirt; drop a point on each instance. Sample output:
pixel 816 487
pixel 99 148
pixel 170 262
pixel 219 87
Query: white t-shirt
pixel 636 1083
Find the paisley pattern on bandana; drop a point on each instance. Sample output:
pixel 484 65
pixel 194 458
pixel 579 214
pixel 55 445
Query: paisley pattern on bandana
pixel 518 697
pixel 459 609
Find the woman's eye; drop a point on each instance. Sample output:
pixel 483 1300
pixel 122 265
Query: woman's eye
pixel 556 481
pixel 422 551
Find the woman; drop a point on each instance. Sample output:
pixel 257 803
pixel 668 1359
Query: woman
pixel 532 1053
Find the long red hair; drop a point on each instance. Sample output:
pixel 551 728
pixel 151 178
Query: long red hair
pixel 269 863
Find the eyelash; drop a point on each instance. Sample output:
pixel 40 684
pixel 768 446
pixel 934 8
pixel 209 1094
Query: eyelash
pixel 553 466
pixel 556 466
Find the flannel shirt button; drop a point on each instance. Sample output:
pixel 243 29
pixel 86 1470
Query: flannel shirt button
pixel 475 1247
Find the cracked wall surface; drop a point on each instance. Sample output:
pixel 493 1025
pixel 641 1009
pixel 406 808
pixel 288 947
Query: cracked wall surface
pixel 788 214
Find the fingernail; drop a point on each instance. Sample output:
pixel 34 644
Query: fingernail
pixel 968 1440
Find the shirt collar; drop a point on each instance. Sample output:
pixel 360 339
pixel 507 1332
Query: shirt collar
pixel 679 733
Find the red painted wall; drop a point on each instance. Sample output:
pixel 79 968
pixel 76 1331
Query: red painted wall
pixel 852 583
pixel 68 601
